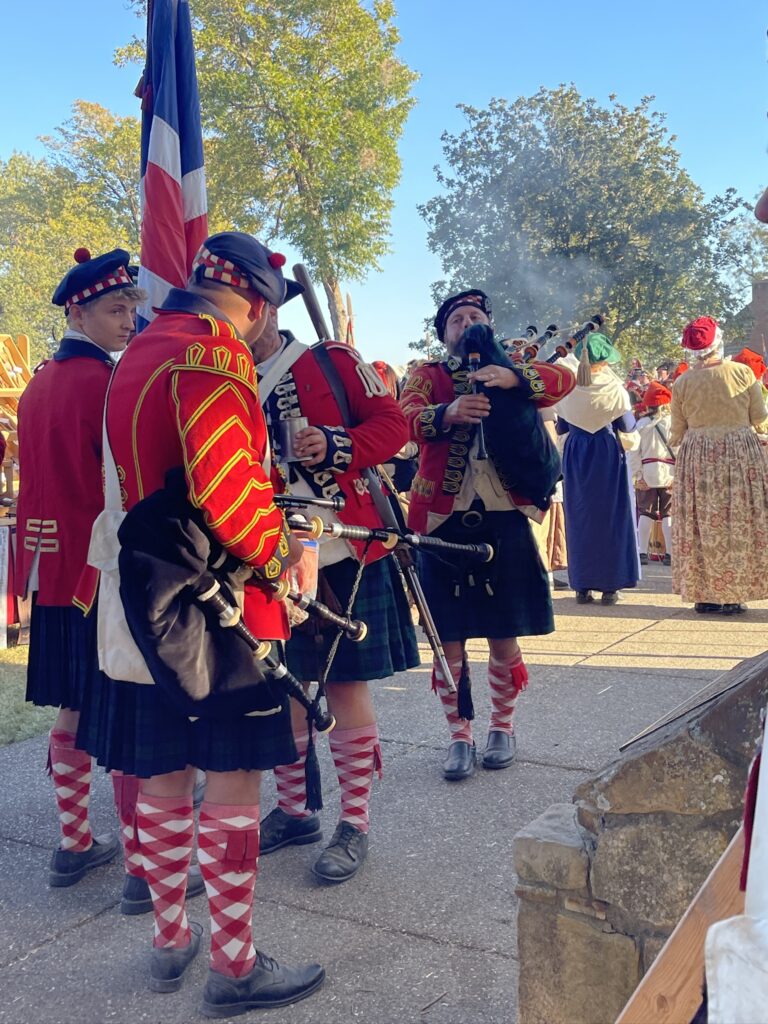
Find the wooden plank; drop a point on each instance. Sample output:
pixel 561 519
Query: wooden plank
pixel 670 993
pixel 17 356
pixel 22 344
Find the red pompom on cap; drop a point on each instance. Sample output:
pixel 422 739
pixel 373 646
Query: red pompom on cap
pixel 276 260
pixel 82 255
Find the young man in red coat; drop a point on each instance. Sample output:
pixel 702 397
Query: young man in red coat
pixel 184 398
pixel 60 434
pixel 460 496
pixel 330 456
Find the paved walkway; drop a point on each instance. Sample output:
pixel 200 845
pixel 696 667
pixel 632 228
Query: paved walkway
pixel 426 934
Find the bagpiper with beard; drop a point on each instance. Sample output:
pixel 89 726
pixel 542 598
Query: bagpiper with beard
pixel 461 498
pixel 184 402
pixel 61 494
pixel 331 456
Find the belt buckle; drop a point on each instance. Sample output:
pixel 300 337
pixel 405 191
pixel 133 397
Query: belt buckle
pixel 471 519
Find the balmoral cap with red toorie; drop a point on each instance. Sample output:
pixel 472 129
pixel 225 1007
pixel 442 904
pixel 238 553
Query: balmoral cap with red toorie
pixel 92 277
pixel 241 261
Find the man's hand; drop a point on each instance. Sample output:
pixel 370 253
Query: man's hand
pixel 295 550
pixel 467 409
pixel 311 445
pixel 496 377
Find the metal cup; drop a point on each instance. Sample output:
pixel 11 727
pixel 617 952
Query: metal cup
pixel 289 428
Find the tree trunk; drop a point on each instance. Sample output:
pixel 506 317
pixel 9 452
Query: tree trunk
pixel 336 307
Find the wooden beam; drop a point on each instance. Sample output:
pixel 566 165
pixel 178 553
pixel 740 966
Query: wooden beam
pixel 670 993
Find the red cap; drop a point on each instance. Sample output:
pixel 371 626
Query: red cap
pixel 753 360
pixel 657 394
pixel 701 334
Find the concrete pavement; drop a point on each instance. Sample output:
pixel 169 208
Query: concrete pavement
pixel 426 934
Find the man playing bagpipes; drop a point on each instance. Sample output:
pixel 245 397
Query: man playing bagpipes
pixel 350 423
pixel 60 427
pixel 183 406
pixel 459 495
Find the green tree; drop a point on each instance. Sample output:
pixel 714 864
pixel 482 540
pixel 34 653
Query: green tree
pixel 560 208
pixel 83 192
pixel 303 103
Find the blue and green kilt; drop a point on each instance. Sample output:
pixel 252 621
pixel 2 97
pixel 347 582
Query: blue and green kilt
pixel 137 729
pixel 381 602
pixel 63 662
pixel 506 597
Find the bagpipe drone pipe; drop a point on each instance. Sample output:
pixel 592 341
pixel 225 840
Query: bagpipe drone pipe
pixel 519 447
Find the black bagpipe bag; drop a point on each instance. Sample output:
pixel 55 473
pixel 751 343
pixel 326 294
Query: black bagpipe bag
pixel 519 446
pixel 166 551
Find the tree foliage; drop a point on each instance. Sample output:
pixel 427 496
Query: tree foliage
pixel 560 208
pixel 83 192
pixel 303 103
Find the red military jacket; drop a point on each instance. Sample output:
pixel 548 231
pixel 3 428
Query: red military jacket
pixel 185 394
pixel 379 429
pixel 60 495
pixel 426 396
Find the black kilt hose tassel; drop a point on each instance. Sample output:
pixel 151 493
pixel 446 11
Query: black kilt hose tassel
pixel 465 707
pixel 312 781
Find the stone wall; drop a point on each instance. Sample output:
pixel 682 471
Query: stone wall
pixel 603 881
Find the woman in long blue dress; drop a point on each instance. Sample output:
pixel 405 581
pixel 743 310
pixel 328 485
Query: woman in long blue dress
pixel 599 510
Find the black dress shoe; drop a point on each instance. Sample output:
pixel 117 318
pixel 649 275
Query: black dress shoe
pixel 643 559
pixel 137 899
pixel 667 560
pixel 584 597
pixel 267 984
pixel 610 597
pixel 167 966
pixel 68 867
pixel 281 829
pixel 344 855
pixel 733 609
pixel 705 607
pixel 460 761
pixel 500 750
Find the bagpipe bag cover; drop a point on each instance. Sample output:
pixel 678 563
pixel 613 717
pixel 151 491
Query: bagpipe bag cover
pixel 206 670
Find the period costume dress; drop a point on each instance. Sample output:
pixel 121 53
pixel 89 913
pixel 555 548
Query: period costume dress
pixel 599 512
pixel 720 494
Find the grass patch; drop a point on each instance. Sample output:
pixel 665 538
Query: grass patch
pixel 19 720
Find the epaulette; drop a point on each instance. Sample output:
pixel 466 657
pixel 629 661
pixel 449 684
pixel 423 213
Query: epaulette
pixel 40 365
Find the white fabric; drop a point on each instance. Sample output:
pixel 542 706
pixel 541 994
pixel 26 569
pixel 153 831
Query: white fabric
pixel 655 474
pixel 119 657
pixel 595 406
pixel 481 480
pixel 736 950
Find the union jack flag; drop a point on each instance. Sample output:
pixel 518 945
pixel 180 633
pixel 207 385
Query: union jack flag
pixel 174 207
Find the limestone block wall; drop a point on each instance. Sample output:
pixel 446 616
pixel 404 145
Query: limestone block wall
pixel 603 881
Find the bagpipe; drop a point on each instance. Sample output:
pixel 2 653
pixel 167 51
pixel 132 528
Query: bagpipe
pixel 512 435
pixel 520 352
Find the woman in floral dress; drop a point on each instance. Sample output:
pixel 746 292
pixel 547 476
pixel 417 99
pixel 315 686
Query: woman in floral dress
pixel 720 492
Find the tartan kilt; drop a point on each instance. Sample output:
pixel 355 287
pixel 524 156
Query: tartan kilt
pixel 63 660
pixel 136 729
pixel 520 603
pixel 381 602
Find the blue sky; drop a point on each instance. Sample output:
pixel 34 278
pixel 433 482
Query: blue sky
pixel 704 63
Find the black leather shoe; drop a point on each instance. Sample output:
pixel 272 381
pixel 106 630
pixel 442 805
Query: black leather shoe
pixel 500 751
pixel 460 761
pixel 136 897
pixel 733 609
pixel 68 867
pixel 643 559
pixel 666 560
pixel 281 829
pixel 584 597
pixel 167 966
pixel 610 597
pixel 705 607
pixel 344 855
pixel 268 984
